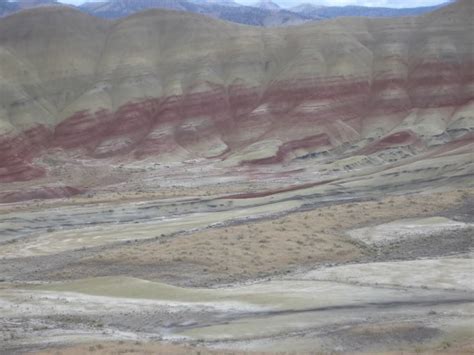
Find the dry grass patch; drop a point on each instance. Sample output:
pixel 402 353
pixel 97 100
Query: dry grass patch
pixel 282 244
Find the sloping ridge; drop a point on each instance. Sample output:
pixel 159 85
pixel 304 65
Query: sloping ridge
pixel 175 86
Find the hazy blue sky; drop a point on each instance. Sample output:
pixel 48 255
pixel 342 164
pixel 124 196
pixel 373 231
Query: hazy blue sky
pixel 289 3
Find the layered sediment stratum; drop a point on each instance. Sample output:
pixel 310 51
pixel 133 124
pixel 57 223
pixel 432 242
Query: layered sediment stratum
pixel 178 86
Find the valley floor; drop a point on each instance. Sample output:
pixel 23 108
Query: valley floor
pixel 361 264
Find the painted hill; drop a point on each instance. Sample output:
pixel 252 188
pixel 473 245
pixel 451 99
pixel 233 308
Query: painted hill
pixel 174 86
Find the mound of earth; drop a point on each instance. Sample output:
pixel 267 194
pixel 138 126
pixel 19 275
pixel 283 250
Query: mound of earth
pixel 176 86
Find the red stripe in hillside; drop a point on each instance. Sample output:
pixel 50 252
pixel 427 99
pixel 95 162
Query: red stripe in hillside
pixel 134 125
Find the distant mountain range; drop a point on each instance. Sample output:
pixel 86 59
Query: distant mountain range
pixel 222 9
pixel 267 5
pixel 326 12
pixel 7 7
pixel 263 13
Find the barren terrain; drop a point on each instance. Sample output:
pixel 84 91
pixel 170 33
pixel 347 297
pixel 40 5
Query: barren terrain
pixel 308 270
pixel 174 184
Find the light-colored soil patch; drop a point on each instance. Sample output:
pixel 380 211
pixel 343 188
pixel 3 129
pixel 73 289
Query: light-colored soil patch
pixel 406 228
pixel 443 273
pixel 258 311
pixel 265 296
pixel 86 237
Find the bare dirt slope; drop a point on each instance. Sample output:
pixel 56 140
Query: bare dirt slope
pixel 175 86
pixel 173 184
pixel 296 282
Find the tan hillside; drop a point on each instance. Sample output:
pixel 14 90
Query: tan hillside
pixel 172 184
pixel 176 86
